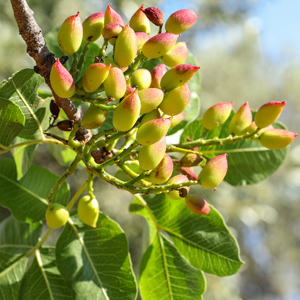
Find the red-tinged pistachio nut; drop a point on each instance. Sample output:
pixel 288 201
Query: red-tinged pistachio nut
pixel 125 47
pixel 152 131
pixel 111 30
pixel 241 120
pixel 88 210
pixel 150 99
pixel 115 84
pixel 180 21
pixel 163 171
pixel 152 115
pixel 65 125
pixel 216 115
pixel 176 100
pixel 70 35
pixel 276 138
pixel 151 156
pixel 129 90
pixel 159 45
pixel 155 15
pixel 94 117
pixel 140 79
pixel 56 216
pixel 94 76
pixel 177 119
pixel 92 26
pixel 176 194
pixel 176 55
pixel 157 73
pixel 142 38
pixel 178 76
pixel 268 113
pixel 112 16
pixel 139 21
pixel 213 172
pixel 61 80
pixel 127 112
pixel 197 205
pixel 188 172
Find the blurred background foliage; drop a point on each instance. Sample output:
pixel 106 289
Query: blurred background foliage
pixel 227 44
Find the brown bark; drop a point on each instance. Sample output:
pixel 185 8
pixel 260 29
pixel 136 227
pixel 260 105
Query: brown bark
pixel 37 49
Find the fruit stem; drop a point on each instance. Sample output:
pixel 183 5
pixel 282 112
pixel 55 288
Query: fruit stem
pixel 137 63
pixel 77 195
pixel 172 148
pixel 106 107
pixel 89 187
pixel 82 58
pixel 74 69
pixel 138 178
pixel 101 51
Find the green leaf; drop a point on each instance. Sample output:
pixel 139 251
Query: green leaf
pixel 204 240
pixel 170 275
pixel 95 262
pixel 16 240
pixel 43 280
pixel 12 121
pixel 27 198
pixel 21 90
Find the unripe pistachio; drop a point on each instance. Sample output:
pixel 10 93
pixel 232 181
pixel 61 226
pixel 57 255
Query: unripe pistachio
pixel 155 15
pixel 56 216
pixel 216 115
pixel 197 205
pixel 88 210
pixel 241 120
pixel 276 138
pixel 92 26
pixel 152 131
pixel 125 47
pixel 177 119
pixel 142 38
pixel 178 76
pixel 94 117
pixel 159 45
pixel 176 55
pixel 150 99
pixel 112 16
pixel 129 90
pixel 163 171
pixel 188 172
pixel 213 172
pixel 180 21
pixel 151 156
pixel 94 76
pixel 139 21
pixel 157 73
pixel 191 160
pixel 112 31
pixel 176 100
pixel 152 115
pixel 61 80
pixel 127 112
pixel 115 84
pixel 141 79
pixel 178 193
pixel 65 125
pixel 268 113
pixel 70 35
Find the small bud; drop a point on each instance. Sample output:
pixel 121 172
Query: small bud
pixel 176 55
pixel 115 84
pixel 140 79
pixel 70 35
pixel 92 26
pixel 216 115
pixel 152 131
pixel 101 155
pixel 213 172
pixel 127 112
pixel 163 171
pixel 241 120
pixel 142 38
pixel 112 16
pixel 276 138
pixel 88 210
pixel 176 100
pixel 197 205
pixel 177 119
pixel 178 76
pixel 268 113
pixel 61 80
pixel 191 160
pixel 56 216
pixel 157 73
pixel 94 76
pixel 152 115
pixel 125 47
pixel 150 99
pixel 65 125
pixel 94 117
pixel 112 31
pixel 180 21
pixel 175 194
pixel 139 21
pixel 159 45
pixel 151 156
pixel 155 15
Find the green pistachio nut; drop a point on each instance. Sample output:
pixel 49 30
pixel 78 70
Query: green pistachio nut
pixel 197 205
pixel 163 171
pixel 180 21
pixel 92 26
pixel 140 79
pixel 61 80
pixel 181 192
pixel 88 210
pixel 115 83
pixel 213 172
pixel 150 99
pixel 177 119
pixel 94 117
pixel 276 138
pixel 56 216
pixel 152 115
pixel 241 120
pixel 139 21
pixel 70 35
pixel 190 160
pixel 176 55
